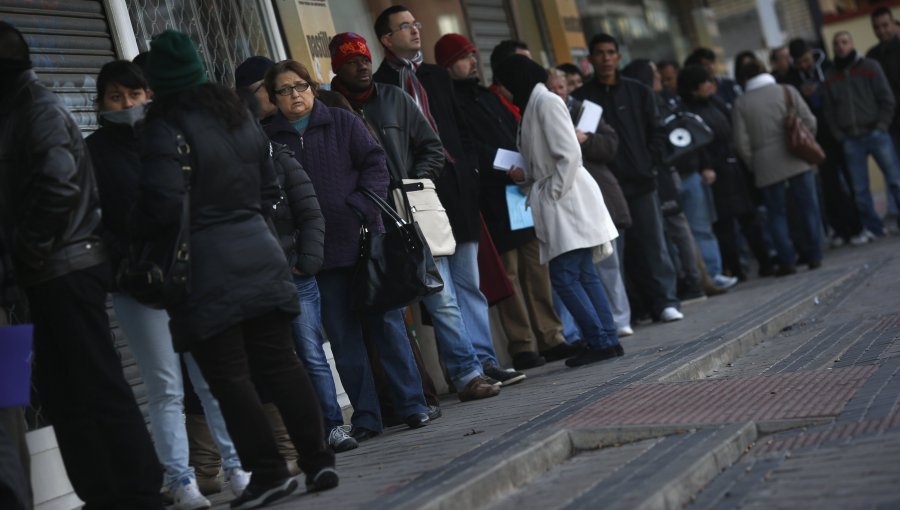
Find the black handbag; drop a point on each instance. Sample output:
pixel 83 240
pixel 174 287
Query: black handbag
pixel 394 269
pixel 157 272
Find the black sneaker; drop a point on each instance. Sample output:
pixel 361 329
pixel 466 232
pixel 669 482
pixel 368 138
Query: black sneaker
pixel 528 359
pixel 620 351
pixel 561 351
pixel 506 377
pixel 326 478
pixel 255 497
pixel 589 356
pixel 361 434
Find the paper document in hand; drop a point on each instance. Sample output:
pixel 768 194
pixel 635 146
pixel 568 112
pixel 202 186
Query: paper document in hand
pixel 519 214
pixel 590 117
pixel 504 160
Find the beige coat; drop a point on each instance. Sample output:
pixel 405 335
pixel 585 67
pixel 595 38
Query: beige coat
pixel 758 118
pixel 568 208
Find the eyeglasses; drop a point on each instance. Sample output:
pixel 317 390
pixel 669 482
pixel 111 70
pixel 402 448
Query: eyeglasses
pixel 406 27
pixel 298 88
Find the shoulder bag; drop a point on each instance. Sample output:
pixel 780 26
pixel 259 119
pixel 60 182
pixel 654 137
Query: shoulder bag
pixel 417 201
pixel 157 272
pixel 394 269
pixel 800 141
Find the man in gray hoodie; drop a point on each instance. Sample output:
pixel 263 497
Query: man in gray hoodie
pixel 859 109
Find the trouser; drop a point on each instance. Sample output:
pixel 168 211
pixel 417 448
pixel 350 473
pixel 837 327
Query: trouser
pixel 678 231
pixel 699 210
pixel 528 317
pixel 101 433
pixel 15 461
pixel 473 306
pixel 801 188
pixel 610 271
pixel 578 285
pixel 727 233
pixel 262 348
pixel 837 193
pixel 647 262
pixel 857 150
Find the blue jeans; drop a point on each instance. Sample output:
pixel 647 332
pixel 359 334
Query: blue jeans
pixel 472 304
pixel 570 329
pixel 308 340
pixel 803 193
pixel 453 342
pixel 345 331
pixel 697 204
pixel 576 281
pixel 147 333
pixel 856 151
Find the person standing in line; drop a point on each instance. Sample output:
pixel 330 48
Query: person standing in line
pixel 236 318
pixel 887 53
pixel 570 217
pixel 629 107
pixel 725 89
pixel 859 110
pixel 50 213
pixel 122 96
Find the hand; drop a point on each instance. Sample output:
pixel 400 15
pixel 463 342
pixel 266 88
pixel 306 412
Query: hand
pixel 297 271
pixel 808 89
pixel 582 137
pixel 517 175
pixel 709 175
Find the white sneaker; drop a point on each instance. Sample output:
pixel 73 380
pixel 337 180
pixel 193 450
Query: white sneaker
pixel 625 331
pixel 862 238
pixel 187 495
pixel 724 282
pixel 340 441
pixel 237 479
pixel 837 241
pixel 671 314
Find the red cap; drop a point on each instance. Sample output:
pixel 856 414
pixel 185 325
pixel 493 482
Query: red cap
pixel 451 48
pixel 345 45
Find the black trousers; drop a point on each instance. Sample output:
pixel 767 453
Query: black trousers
pixel 729 245
pixel 104 442
pixel 837 195
pixel 648 266
pixel 262 348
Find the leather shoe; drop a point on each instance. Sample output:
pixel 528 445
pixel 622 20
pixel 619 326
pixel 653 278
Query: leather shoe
pixel 561 351
pixel 361 434
pixel 528 359
pixel 417 420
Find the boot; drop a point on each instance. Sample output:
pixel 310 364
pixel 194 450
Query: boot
pixel 203 455
pixel 285 445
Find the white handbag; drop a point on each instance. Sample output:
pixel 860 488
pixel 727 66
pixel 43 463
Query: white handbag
pixel 418 198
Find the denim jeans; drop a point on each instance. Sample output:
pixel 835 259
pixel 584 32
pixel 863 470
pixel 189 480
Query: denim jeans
pixel 576 281
pixel 453 342
pixel 308 340
pixel 610 272
pixel 697 203
pixel 803 193
pixel 570 329
pixel 147 333
pixel 856 151
pixel 472 304
pixel 345 331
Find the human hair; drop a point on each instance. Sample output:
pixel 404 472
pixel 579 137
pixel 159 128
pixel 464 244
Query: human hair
pixel 125 73
pixel 690 78
pixel 211 98
pixel 141 60
pixel 555 72
pixel 749 70
pixel 283 67
pixel 570 68
pixel 383 21
pixel 505 49
pixel 699 55
pixel 742 57
pixel 12 44
pixel 798 47
pixel 662 64
pixel 882 11
pixel 602 38
pixel 842 32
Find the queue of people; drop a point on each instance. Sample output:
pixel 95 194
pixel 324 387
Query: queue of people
pixel 277 174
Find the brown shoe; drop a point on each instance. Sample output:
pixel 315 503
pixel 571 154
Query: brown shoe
pixel 478 388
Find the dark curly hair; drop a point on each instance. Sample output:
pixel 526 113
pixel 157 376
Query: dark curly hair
pixel 212 98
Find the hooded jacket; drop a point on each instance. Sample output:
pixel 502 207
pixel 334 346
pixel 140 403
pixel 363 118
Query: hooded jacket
pixel 297 216
pixel 48 196
pixel 858 99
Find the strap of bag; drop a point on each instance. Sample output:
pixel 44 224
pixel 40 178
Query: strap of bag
pixel 788 100
pixel 384 206
pixel 184 158
pixel 405 188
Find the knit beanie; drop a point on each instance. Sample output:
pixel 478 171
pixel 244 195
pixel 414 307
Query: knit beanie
pixel 251 71
pixel 451 48
pixel 174 64
pixel 346 45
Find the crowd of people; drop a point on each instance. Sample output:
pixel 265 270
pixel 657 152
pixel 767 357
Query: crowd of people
pixel 629 221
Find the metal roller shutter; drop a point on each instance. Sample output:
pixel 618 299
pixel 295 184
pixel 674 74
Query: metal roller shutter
pixel 489 23
pixel 70 41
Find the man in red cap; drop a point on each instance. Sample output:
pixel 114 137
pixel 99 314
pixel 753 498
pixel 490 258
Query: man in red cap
pixel 528 318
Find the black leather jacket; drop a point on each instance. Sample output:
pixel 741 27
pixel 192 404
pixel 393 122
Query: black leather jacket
pixel 48 195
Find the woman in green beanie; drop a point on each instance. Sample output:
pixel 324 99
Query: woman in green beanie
pixel 236 319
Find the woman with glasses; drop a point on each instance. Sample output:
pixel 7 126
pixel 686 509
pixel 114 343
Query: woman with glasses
pixel 341 157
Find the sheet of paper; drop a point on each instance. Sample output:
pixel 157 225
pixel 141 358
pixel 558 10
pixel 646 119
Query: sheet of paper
pixel 590 117
pixel 519 214
pixel 504 160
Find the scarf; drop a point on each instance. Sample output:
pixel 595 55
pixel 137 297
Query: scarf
pixel 759 81
pixel 410 83
pixel 357 99
pixel 509 106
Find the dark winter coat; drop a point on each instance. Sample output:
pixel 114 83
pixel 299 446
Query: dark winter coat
pixel 458 184
pixel 492 127
pixel 238 271
pixel 340 156
pixel 887 54
pixel 630 108
pixel 858 99
pixel 297 216
pixel 48 195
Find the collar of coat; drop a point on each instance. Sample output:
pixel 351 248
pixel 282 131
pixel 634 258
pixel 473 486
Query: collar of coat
pixel 319 116
pixel 759 81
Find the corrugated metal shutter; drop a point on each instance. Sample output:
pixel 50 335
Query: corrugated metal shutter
pixel 70 41
pixel 489 23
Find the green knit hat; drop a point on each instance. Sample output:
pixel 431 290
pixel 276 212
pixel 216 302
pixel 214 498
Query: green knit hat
pixel 174 63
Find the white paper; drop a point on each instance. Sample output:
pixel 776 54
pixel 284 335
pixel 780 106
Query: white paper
pixel 590 117
pixel 504 160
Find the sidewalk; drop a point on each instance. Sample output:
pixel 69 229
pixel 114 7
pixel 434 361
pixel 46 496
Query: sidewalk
pixel 710 409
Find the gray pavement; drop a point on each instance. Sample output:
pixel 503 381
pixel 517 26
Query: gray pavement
pixel 782 393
